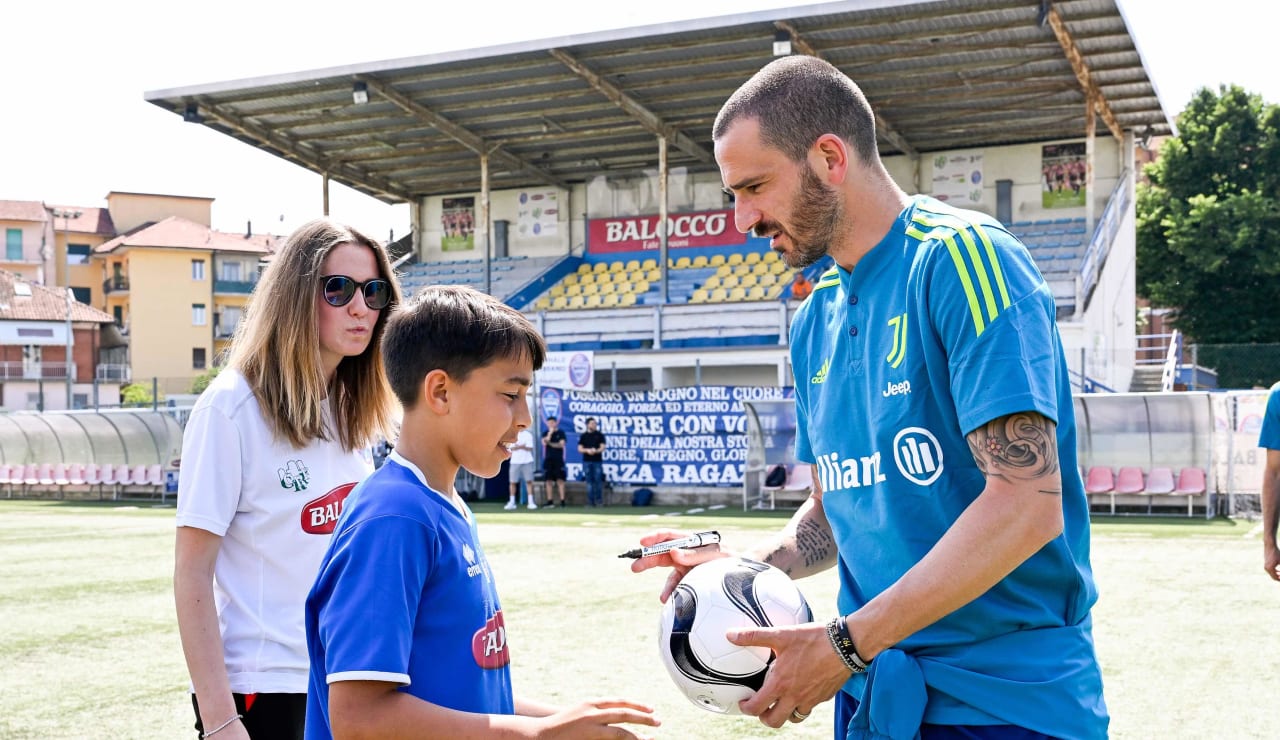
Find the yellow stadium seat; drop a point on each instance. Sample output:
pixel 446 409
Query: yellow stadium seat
pixel 749 281
pixel 760 268
pixel 699 261
pixel 712 282
pixel 559 303
pixel 723 270
pixel 751 258
pixel 585 267
pixel 649 264
pixel 771 257
pixel 640 287
pixel 543 303
pixel 755 293
pixel 575 301
pixel 716 260
pixel 587 279
pixel 593 301
pixel 632 265
pixel 734 259
pixel 623 276
pixel 627 300
pixel 606 288
pixel 729 281
pixel 591 289
pixel 636 276
pixel 778 267
pixel 767 279
pixel 738 294
pixel 573 290
pixel 719 295
pixel 775 291
pixel 681 263
pixel 556 291
pixel 609 301
pixel 699 296
pixel 622 287
pixel 742 268
pixel 601 267
pixel 617 266
pixel 571 279
pixel 653 275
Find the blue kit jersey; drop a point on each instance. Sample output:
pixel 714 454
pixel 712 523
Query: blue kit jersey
pixel 944 326
pixel 405 595
pixel 1269 437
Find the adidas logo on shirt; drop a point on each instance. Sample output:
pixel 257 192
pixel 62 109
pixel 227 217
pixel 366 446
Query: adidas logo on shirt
pixel 821 375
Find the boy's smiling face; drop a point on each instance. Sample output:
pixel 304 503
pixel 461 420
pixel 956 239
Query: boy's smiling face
pixel 486 412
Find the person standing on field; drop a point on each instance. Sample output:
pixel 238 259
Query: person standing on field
pixel 1269 440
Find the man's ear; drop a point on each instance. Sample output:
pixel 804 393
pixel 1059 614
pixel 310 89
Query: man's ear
pixel 830 158
pixel 437 391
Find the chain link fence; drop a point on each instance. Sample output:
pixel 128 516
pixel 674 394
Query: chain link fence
pixel 1238 366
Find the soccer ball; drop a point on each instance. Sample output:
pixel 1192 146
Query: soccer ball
pixel 714 597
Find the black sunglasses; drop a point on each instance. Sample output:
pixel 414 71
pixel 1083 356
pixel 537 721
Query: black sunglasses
pixel 340 289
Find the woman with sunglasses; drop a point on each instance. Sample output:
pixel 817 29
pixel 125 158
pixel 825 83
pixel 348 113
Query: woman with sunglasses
pixel 269 454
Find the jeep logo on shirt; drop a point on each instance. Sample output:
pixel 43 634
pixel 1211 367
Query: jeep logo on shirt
pixel 320 515
pixel 489 644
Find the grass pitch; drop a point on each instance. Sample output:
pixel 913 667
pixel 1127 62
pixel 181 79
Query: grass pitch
pixel 89 643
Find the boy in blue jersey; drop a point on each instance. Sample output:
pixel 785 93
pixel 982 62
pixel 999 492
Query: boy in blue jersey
pixel 1269 440
pixel 932 399
pixel 404 627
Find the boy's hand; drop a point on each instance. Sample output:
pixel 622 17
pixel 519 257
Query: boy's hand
pixel 680 561
pixel 597 719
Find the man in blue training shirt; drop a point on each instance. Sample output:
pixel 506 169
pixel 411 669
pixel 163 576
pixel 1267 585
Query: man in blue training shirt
pixel 1269 439
pixel 933 400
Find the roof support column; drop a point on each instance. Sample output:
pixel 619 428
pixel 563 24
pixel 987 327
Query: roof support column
pixel 662 212
pixel 324 186
pixel 485 229
pixel 1090 137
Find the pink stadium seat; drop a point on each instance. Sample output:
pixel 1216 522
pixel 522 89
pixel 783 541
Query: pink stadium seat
pixel 1191 481
pixel 46 474
pixel 155 475
pixel 93 477
pixel 138 476
pixel 1129 479
pixel 75 474
pixel 122 474
pixel 6 479
pixel 1100 479
pixel 1160 480
pixel 800 478
pixel 109 479
pixel 30 474
pixel 60 475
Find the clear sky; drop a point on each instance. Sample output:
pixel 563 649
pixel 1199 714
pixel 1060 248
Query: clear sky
pixel 75 126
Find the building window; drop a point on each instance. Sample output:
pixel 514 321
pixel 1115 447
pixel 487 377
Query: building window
pixel 231 272
pixel 197 269
pixel 197 358
pixel 78 254
pixel 197 314
pixel 82 295
pixel 13 244
pixel 228 321
pixel 117 312
pixel 79 400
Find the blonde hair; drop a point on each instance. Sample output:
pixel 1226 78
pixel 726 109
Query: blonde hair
pixel 277 347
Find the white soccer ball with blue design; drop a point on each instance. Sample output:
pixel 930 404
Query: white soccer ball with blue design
pixel 714 597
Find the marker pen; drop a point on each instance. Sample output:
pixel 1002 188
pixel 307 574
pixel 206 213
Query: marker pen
pixel 698 540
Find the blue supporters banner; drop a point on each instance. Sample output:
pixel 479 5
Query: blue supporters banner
pixel 693 435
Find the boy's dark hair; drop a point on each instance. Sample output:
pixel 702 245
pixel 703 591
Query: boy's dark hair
pixel 552 418
pixel 456 329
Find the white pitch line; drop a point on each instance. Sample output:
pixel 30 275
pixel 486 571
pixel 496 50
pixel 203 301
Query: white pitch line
pixel 1257 530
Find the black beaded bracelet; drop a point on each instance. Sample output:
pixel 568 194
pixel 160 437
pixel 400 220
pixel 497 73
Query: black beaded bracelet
pixel 838 632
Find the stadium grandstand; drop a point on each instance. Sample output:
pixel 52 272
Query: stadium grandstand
pixel 539 171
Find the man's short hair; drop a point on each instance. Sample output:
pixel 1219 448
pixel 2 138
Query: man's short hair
pixel 457 329
pixel 798 98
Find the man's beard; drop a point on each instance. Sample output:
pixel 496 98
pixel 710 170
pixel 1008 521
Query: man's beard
pixel 816 214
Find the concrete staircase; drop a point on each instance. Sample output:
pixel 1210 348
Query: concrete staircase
pixel 1146 379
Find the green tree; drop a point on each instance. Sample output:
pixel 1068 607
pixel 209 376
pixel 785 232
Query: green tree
pixel 135 394
pixel 203 380
pixel 1208 222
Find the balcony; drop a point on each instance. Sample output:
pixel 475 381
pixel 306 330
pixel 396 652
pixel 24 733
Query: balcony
pixel 18 370
pixel 113 373
pixel 116 284
pixel 235 287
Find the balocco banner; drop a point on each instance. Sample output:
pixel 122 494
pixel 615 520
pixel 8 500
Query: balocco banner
pixel 694 435
pixel 637 233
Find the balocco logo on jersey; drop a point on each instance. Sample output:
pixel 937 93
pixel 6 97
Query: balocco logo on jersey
pixel 918 455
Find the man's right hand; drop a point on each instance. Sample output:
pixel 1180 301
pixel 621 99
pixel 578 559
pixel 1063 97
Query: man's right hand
pixel 1270 563
pixel 679 560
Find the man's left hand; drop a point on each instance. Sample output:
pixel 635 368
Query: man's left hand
pixel 805 673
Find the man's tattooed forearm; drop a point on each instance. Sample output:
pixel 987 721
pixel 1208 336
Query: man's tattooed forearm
pixel 1018 446
pixel 814 543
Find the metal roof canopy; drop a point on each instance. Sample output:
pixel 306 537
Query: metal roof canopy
pixel 940 75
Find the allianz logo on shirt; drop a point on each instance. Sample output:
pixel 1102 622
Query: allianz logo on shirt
pixel 916 453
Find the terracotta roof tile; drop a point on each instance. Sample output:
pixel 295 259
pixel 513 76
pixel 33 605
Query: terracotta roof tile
pixel 175 232
pixel 22 210
pixel 44 303
pixel 91 221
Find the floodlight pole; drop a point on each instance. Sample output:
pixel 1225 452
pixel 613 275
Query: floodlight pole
pixel 66 215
